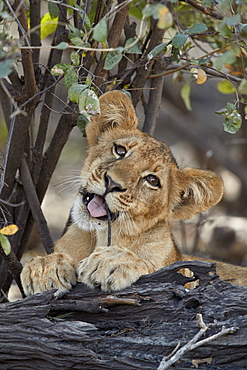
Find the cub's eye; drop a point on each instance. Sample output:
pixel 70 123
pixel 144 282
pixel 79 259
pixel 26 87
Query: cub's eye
pixel 153 180
pixel 120 150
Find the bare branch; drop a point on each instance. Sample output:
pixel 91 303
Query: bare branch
pixel 194 343
pixel 35 207
pixel 113 39
pixel 209 11
pixel 35 24
pixel 154 102
pixel 27 62
pixel 5 103
pixel 143 73
pixel 14 266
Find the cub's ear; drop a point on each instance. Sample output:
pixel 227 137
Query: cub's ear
pixel 195 191
pixel 116 111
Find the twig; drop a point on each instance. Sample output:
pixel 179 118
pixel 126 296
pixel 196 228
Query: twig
pixel 35 6
pixel 95 305
pixel 142 73
pixel 14 267
pixel 154 102
pixel 27 61
pixel 209 11
pixel 59 139
pixel 194 343
pixel 36 95
pixel 113 40
pixel 15 147
pixel 12 204
pixel 17 21
pixel 35 207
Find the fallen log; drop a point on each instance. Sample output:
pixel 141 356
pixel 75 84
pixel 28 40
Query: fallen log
pixel 131 329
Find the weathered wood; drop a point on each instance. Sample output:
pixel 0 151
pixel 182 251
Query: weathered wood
pixel 131 329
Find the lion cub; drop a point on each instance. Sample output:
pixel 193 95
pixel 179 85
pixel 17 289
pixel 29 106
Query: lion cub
pixel 132 180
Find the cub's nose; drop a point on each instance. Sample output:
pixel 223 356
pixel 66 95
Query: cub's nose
pixel 111 185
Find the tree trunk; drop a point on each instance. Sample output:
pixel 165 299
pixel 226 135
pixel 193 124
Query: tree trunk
pixel 131 329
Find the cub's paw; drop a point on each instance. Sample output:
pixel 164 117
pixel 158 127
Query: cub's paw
pixel 56 270
pixel 111 268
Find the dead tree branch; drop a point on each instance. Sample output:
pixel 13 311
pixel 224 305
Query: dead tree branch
pixel 194 343
pixel 206 10
pixel 34 204
pixel 131 329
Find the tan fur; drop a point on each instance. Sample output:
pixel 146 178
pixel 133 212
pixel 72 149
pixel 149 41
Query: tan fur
pixel 139 180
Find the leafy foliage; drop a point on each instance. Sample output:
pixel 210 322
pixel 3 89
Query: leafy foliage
pixel 4 242
pixel 233 119
pixel 222 28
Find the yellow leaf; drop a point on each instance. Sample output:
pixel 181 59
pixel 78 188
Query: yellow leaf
pixel 199 74
pixel 47 25
pixel 225 87
pixel 165 18
pixel 202 76
pixel 9 230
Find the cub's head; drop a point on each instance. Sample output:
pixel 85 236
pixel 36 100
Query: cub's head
pixel 135 176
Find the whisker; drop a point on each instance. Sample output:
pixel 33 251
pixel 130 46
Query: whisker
pixel 71 185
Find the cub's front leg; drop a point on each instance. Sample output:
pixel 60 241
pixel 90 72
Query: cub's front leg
pixel 57 270
pixel 111 268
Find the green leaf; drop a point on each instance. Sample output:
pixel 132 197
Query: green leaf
pixel 135 49
pixel 74 32
pixel 179 40
pixel 197 28
pixel 75 58
pixel 5 244
pixel 236 49
pixel 155 51
pixel 185 95
pixel 77 41
pixel 62 45
pixel 243 29
pixel 59 69
pixel 82 123
pixel 227 58
pixel 232 123
pixel 232 21
pixel 207 3
pixel 224 30
pixel 136 8
pixel 75 90
pixel 233 120
pixel 224 4
pixel 242 89
pixel 89 103
pixel 100 31
pixel 53 10
pixel 225 87
pixel 151 10
pixel 70 77
pixel 6 67
pixel 112 59
pixel 83 15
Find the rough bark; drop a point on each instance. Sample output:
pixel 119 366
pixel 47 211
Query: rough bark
pixel 132 329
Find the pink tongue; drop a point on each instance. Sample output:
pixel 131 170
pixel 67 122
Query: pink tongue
pixel 96 206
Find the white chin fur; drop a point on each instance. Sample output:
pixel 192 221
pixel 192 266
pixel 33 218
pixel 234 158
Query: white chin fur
pixel 82 218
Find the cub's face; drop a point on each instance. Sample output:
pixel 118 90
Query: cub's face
pixel 135 177
pixel 131 176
